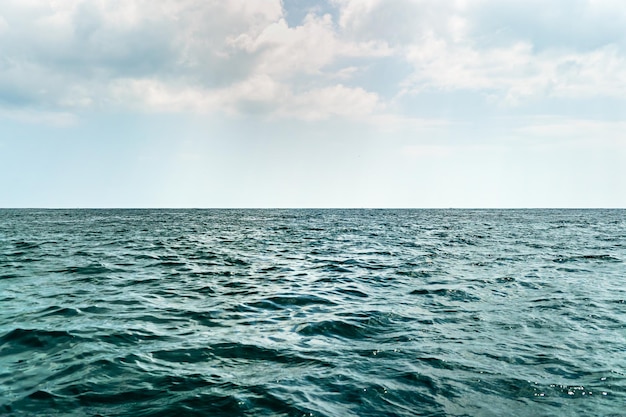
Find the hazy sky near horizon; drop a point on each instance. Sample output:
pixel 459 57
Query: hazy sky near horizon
pixel 312 103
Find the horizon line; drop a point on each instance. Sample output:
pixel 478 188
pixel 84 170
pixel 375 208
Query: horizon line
pixel 313 208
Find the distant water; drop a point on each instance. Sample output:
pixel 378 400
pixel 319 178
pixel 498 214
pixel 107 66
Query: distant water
pixel 312 312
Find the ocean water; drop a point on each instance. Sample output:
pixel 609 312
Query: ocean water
pixel 312 312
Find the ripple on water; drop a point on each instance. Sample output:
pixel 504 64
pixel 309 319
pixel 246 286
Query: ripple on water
pixel 312 312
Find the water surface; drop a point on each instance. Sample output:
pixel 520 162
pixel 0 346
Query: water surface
pixel 312 312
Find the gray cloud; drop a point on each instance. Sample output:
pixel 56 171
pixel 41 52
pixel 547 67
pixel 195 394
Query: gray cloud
pixel 183 54
pixel 297 60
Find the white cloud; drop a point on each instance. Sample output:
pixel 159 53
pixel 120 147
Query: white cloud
pixel 307 48
pixel 400 22
pixel 517 72
pixel 154 95
pixel 290 51
pixel 325 102
pixel 459 45
pixel 259 94
pixel 241 56
pixel 184 55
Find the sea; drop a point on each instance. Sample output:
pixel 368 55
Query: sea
pixel 312 312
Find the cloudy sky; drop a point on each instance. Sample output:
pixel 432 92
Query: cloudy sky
pixel 312 103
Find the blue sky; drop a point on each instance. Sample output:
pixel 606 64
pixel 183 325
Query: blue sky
pixel 303 103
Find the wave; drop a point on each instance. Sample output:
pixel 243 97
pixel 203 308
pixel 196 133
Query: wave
pixel 311 312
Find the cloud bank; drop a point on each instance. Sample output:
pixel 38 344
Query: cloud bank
pixel 242 57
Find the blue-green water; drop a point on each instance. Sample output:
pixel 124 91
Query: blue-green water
pixel 312 312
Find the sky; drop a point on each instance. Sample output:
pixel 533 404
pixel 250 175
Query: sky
pixel 312 103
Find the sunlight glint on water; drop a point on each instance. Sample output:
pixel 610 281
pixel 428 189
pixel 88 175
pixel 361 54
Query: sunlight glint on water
pixel 312 312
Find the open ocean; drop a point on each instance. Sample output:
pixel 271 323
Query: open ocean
pixel 312 312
